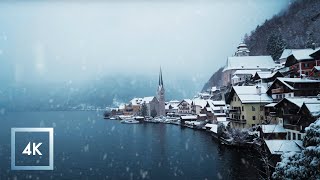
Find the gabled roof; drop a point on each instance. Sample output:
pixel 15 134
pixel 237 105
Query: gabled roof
pixel 148 99
pixel 313 108
pixel 316 69
pixel 273 128
pixel 199 102
pixel 246 72
pixel 189 101
pixel 249 94
pixel 298 101
pixel 298 55
pixel 285 53
pixel 249 62
pixel 267 74
pixel 282 146
pixel 288 81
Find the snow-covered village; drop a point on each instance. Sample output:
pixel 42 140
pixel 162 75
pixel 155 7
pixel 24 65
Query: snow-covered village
pixel 270 106
pixel 160 90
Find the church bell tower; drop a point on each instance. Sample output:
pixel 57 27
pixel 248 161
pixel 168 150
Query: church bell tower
pixel 160 96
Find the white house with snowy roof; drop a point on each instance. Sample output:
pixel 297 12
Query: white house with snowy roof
pixel 247 105
pixel 245 62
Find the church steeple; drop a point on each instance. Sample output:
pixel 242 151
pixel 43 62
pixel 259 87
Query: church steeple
pixel 160 78
pixel 161 96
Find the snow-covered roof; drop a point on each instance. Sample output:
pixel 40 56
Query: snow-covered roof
pixel 316 68
pixel 314 108
pixel 246 72
pixel 300 100
pixel 147 99
pixel 285 53
pixel 282 146
pixel 219 103
pixel 302 54
pixel 213 89
pixel 174 102
pixel 235 77
pixel 270 105
pixel 249 94
pixel 202 115
pixel 273 128
pixel 214 128
pixel 189 117
pixel 285 81
pixel 189 101
pixel 249 62
pixel 208 125
pixel 199 102
pixel 136 101
pixel 209 109
pixel 219 114
pixel 221 119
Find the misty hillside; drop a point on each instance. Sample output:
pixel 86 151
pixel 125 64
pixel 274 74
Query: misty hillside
pixel 215 80
pixel 297 27
pixel 106 92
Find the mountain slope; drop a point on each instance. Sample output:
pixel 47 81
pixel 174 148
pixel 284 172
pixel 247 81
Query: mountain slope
pixel 296 27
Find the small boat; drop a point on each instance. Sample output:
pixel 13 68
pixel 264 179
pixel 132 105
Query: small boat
pixel 129 121
pixel 112 118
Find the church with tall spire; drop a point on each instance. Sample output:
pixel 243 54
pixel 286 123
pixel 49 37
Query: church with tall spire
pixel 161 96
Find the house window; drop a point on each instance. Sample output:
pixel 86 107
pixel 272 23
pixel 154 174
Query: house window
pixel 289 135
pixel 253 117
pixel 242 116
pixel 242 108
pixel 253 108
pixel 299 136
pixel 235 98
pixel 261 117
pixel 293 136
pixel 253 125
pixel 289 95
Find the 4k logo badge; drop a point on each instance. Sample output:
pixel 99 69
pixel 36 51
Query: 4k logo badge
pixel 32 148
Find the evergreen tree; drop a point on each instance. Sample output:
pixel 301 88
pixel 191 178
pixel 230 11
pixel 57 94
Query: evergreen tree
pixel 143 110
pixel 275 45
pixel 304 165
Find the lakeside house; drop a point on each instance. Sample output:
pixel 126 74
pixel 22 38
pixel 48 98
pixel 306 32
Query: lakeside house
pixel 247 106
pixel 184 107
pixel 291 87
pixel 272 131
pixel 296 113
pixel 276 148
pixel 172 107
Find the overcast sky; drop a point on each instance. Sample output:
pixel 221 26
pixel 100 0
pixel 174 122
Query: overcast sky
pixel 46 41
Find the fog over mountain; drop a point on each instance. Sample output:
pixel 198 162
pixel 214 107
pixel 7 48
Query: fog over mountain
pixel 113 49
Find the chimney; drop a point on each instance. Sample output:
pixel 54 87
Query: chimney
pixel 258 89
pixel 314 46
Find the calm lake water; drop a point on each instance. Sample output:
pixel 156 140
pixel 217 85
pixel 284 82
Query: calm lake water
pixel 88 147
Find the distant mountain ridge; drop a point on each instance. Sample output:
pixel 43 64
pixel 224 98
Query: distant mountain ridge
pixel 109 91
pixel 296 27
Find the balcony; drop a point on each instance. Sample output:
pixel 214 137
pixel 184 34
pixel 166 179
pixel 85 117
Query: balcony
pixel 242 121
pixel 277 91
pixel 236 111
pixel 292 127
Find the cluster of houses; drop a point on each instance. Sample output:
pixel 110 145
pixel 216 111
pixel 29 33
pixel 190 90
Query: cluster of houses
pixel 280 98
